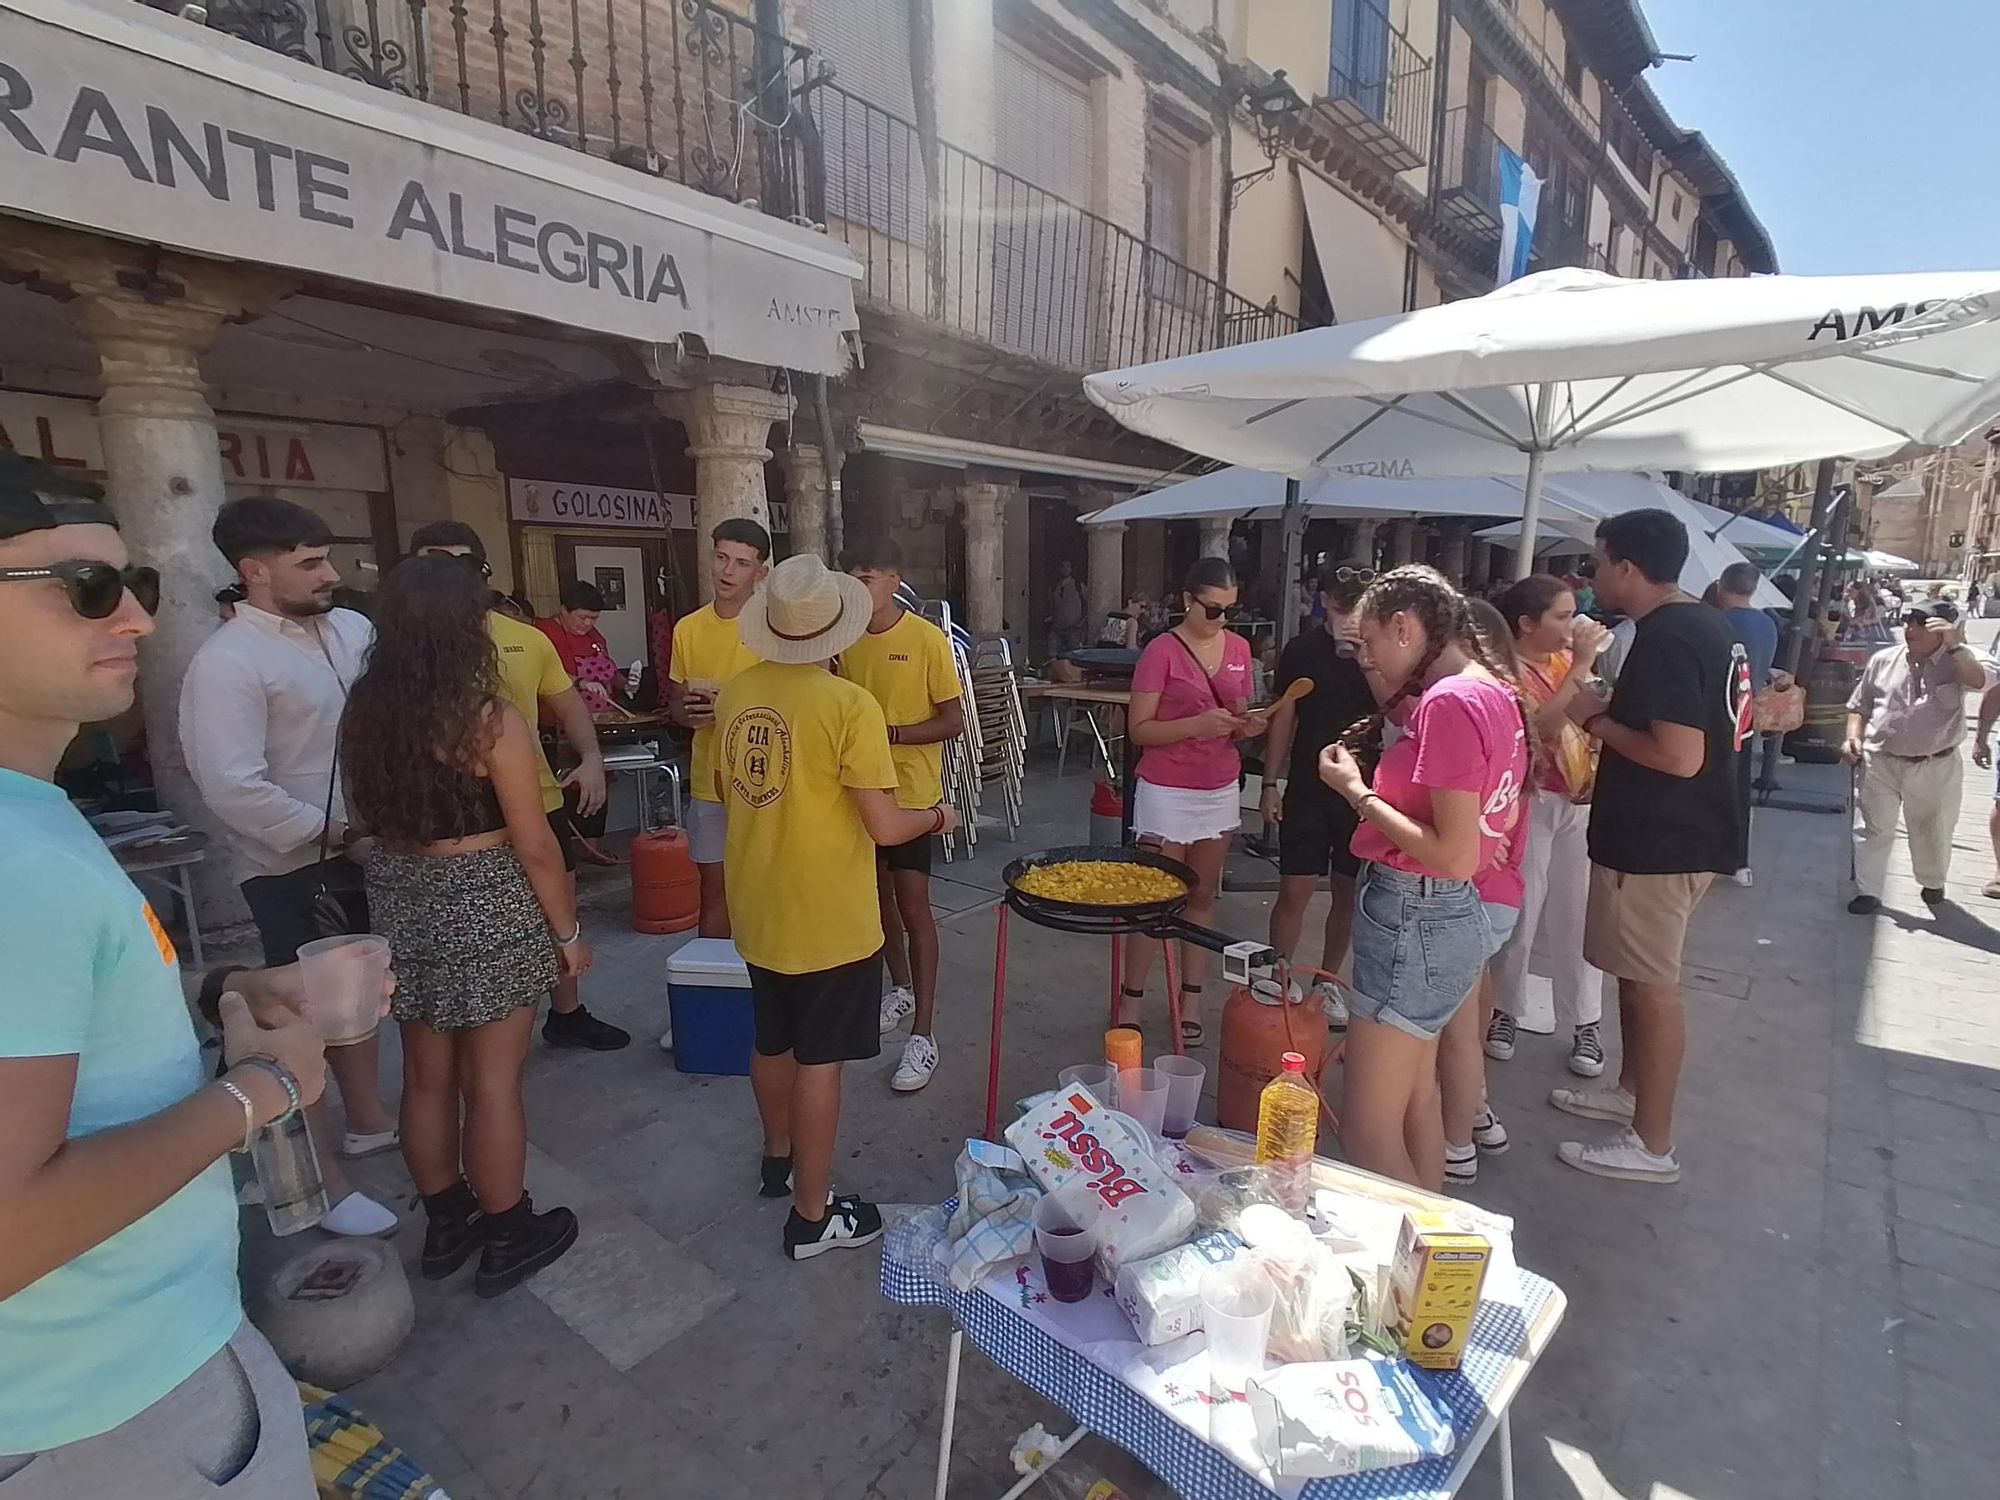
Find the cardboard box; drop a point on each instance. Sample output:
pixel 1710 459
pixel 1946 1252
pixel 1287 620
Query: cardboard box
pixel 1434 1287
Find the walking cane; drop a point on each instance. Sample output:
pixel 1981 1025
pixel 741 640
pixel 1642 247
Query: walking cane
pixel 1853 796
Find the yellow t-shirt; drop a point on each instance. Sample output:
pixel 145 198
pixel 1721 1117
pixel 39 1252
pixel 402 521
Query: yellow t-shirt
pixel 706 648
pixel 801 866
pixel 530 670
pixel 909 671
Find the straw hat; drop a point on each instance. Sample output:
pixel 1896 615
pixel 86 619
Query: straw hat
pixel 805 613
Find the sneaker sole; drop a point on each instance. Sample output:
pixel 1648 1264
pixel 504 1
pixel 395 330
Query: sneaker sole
pixel 1459 1179
pixel 570 1041
pixel 365 1152
pixel 493 1287
pixel 1499 1150
pixel 909 1088
pixel 1592 1112
pixel 1499 1054
pixel 1584 1068
pixel 1618 1174
pixel 820 1247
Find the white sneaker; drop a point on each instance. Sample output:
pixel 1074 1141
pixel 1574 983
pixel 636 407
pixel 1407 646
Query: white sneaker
pixel 667 1039
pixel 920 1060
pixel 1612 1104
pixel 1488 1134
pixel 1461 1165
pixel 1624 1156
pixel 352 1145
pixel 1335 1008
pixel 359 1216
pixel 898 1003
pixel 1742 877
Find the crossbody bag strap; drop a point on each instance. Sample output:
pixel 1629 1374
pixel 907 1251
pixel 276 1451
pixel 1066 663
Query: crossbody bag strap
pixel 1205 677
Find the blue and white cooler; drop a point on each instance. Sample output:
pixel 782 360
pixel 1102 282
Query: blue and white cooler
pixel 708 996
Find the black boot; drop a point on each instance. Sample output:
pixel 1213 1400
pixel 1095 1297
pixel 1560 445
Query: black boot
pixel 519 1243
pixel 457 1228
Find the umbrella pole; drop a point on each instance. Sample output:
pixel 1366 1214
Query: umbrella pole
pixel 1531 492
pixel 1293 524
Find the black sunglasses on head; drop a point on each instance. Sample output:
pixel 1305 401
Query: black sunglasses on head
pixel 1217 611
pixel 96 589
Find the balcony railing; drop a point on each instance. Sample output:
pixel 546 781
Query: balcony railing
pixel 1542 68
pixel 1378 85
pixel 674 88
pixel 1469 174
pixel 964 244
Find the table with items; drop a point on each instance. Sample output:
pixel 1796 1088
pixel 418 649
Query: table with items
pixel 1396 1329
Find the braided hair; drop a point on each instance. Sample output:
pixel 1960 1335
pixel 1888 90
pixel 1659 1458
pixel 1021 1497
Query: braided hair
pixel 1412 589
pixel 1490 643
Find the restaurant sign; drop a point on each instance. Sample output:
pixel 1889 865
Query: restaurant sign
pixel 543 502
pixel 136 124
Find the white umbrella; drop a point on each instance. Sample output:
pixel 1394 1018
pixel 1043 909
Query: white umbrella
pixel 1573 370
pixel 1252 495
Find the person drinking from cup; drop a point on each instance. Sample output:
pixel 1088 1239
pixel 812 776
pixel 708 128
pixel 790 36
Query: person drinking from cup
pixel 468 886
pixel 1189 692
pixel 124 1351
pixel 1443 802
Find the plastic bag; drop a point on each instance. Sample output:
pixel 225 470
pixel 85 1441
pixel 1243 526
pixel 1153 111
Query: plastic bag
pixel 1072 1138
pixel 1315 1421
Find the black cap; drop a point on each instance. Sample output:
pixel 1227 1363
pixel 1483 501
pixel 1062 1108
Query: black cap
pixel 35 497
pixel 1937 609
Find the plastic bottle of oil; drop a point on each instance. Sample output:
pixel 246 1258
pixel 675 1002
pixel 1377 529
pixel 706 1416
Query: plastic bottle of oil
pixel 1287 1130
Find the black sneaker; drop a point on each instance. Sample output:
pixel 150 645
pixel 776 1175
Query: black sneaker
pixel 848 1223
pixel 519 1243
pixel 579 1028
pixel 777 1172
pixel 1864 906
pixel 1500 1036
pixel 1586 1051
pixel 1933 895
pixel 457 1227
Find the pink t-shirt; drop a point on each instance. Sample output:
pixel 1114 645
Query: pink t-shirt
pixel 1465 735
pixel 1168 668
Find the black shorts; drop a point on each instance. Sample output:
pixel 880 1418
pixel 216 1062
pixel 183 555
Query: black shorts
pixel 559 825
pixel 915 855
pixel 286 907
pixel 1315 834
pixel 828 1016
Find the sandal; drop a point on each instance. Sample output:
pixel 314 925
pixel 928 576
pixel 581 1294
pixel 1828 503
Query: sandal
pixel 1192 1032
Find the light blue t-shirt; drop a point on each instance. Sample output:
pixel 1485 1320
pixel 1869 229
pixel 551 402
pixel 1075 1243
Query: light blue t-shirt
pixel 85 969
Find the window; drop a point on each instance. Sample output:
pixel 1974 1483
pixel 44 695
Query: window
pixel 1614 250
pixel 1572 69
pixel 1360 55
pixel 1623 137
pixel 1170 198
pixel 874 168
pixel 1675 208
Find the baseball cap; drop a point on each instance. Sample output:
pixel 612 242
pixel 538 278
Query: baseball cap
pixel 35 497
pixel 1935 609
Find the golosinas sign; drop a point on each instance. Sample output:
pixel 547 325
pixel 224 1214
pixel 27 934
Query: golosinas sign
pixel 153 129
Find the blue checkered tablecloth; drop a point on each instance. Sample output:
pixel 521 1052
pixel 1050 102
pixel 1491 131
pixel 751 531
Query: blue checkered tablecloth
pixel 1107 1406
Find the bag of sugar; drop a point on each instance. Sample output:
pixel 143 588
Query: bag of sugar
pixel 1070 1137
pixel 1315 1421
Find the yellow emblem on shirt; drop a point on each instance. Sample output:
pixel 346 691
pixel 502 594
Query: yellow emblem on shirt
pixel 759 756
pixel 160 939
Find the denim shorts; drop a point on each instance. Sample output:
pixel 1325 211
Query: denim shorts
pixel 1419 944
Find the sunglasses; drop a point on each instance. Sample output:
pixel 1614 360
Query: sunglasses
pixel 1353 575
pixel 96 588
pixel 1217 611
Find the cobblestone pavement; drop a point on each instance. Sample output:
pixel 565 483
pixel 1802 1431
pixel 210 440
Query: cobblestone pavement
pixel 1813 1311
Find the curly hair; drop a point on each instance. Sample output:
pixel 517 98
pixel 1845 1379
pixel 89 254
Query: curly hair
pixel 421 701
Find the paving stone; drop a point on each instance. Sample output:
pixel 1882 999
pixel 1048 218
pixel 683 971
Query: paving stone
pixel 626 1291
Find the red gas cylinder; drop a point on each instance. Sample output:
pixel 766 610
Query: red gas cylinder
pixel 1258 1029
pixel 666 891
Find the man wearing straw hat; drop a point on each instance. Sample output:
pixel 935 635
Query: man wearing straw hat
pixel 809 790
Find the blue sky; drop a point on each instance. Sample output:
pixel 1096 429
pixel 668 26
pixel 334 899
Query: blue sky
pixel 1863 133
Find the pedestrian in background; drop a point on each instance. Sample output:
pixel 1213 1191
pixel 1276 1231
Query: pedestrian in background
pixel 1443 801
pixel 259 718
pixel 586 659
pixel 1905 722
pixel 1758 632
pixel 469 888
pixel 1065 612
pixel 1557 648
pixel 1665 820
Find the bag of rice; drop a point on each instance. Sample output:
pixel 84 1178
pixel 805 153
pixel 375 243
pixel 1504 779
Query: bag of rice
pixel 1348 1416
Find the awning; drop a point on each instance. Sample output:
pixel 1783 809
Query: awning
pixel 1359 260
pixel 133 123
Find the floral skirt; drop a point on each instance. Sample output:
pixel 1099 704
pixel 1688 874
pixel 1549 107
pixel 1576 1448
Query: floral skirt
pixel 468 938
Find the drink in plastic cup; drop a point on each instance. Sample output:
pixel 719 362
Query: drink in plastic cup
pixel 343 979
pixel 1236 1303
pixel 1142 1094
pixel 1185 1076
pixel 1066 1236
pixel 1093 1076
pixel 1121 1047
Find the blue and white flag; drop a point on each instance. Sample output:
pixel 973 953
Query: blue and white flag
pixel 1520 198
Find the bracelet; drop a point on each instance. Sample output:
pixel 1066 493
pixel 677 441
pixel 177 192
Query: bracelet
pixel 575 936
pixel 1602 713
pixel 1364 799
pixel 892 735
pixel 249 1112
pixel 280 1072
pixel 937 823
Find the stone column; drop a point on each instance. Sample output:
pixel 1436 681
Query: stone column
pixel 985 555
pixel 1362 551
pixel 1451 556
pixel 806 491
pixel 1215 537
pixel 1482 561
pixel 728 427
pixel 1104 588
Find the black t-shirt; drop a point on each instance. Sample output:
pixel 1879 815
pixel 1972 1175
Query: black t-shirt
pixel 1340 696
pixel 1686 666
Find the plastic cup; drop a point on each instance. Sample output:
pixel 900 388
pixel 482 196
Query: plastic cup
pixel 1142 1094
pixel 343 980
pixel 1185 1076
pixel 1236 1303
pixel 1066 1236
pixel 1093 1076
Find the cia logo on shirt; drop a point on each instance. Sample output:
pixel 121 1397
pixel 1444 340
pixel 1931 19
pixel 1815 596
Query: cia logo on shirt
pixel 758 752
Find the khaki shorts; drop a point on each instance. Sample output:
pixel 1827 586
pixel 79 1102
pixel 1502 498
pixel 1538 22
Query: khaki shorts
pixel 1634 925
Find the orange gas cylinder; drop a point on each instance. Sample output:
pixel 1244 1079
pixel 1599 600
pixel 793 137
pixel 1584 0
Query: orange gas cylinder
pixel 666 892
pixel 1258 1029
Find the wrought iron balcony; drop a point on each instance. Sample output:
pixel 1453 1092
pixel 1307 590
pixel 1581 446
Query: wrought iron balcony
pixel 989 255
pixel 1378 86
pixel 1469 175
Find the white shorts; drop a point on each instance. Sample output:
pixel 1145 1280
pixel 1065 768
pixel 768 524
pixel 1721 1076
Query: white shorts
pixel 1183 815
pixel 707 830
